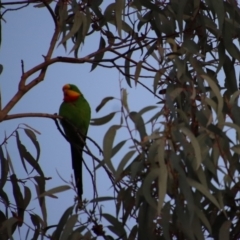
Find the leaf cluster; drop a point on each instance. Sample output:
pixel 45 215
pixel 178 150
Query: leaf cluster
pixel 179 177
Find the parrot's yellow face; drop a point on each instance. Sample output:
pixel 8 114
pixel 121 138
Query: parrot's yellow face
pixel 70 95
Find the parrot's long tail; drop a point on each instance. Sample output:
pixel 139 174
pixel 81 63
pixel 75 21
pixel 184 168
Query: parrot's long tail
pixel 77 168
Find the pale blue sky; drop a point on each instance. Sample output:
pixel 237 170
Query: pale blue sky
pixel 26 36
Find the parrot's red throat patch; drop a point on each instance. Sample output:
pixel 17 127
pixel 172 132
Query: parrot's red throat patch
pixel 70 95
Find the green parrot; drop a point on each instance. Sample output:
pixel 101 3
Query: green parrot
pixel 76 110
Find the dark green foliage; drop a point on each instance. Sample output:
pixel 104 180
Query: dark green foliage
pixel 175 174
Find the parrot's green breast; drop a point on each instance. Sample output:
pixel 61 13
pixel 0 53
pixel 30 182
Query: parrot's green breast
pixel 78 113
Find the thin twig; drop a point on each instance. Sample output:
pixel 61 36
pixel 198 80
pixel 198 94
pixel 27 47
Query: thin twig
pixel 19 2
pixel 22 66
pixel 51 13
pixel 12 9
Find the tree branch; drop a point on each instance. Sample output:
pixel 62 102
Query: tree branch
pixel 20 2
pixel 24 115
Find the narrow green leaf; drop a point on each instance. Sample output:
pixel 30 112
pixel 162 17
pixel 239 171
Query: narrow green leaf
pixel 107 146
pixel 224 233
pixel 68 229
pixel 163 174
pixel 236 148
pixel 150 51
pixel 219 10
pixel 221 53
pixel 133 233
pixel 230 81
pixel 0 32
pixel 145 220
pixel 180 66
pixel 97 10
pixel 88 22
pixel 127 67
pixel 156 81
pixel 77 22
pixel 125 26
pixel 191 46
pixel 82 32
pixel 33 129
pixel 197 229
pixel 21 150
pixel 175 93
pixel 54 190
pixel 4 168
pixel 18 198
pixel 62 11
pixel 216 91
pixel 8 224
pixel 9 161
pixel 1 66
pixel 234 97
pixel 111 38
pixel 103 102
pixel 29 158
pixel 196 146
pixel 221 201
pixel 118 227
pixel 114 151
pixel 138 71
pixel 102 199
pixel 146 109
pixel 0 101
pixel 62 222
pixel 136 166
pixel 139 123
pixel 119 6
pixel 102 120
pixel 108 13
pixel 76 234
pixel 155 116
pixel 203 219
pixel 35 220
pixel 227 33
pixel 122 164
pixel 4 197
pixel 27 196
pixel 40 188
pixel 180 9
pixel 34 140
pixel 183 184
pixel 99 56
pixel 143 19
pixel 204 191
pixel 118 147
pixel 124 99
pixel 150 5
pixel 152 175
pixel 166 217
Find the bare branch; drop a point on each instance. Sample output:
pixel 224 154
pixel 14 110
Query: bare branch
pixel 20 2
pixel 22 65
pixel 25 115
